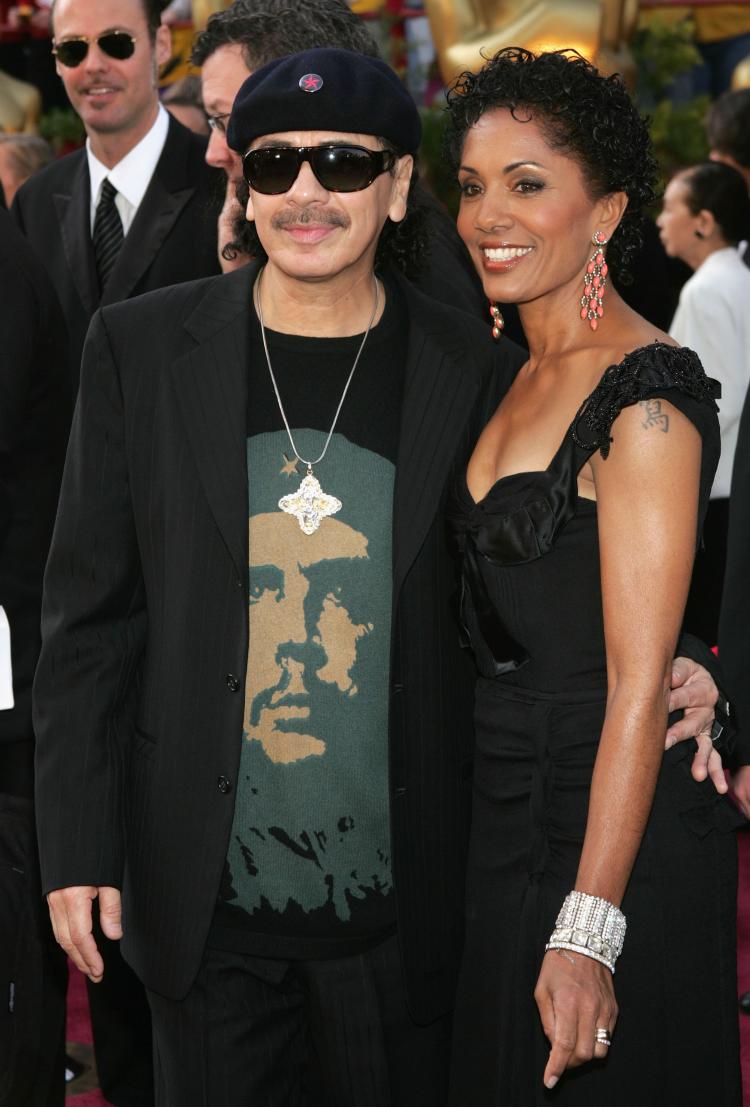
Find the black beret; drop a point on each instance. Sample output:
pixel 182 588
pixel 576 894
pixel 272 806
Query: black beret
pixel 325 90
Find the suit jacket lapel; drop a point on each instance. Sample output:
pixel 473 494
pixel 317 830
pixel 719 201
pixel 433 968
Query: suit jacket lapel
pixel 74 215
pixel 168 192
pixel 211 385
pixel 441 387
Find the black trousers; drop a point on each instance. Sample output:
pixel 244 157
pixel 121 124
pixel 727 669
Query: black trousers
pixel 33 969
pixel 256 1032
pixel 121 1026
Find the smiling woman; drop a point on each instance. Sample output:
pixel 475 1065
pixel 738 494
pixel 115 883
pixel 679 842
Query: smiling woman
pixel 577 518
pixel 612 158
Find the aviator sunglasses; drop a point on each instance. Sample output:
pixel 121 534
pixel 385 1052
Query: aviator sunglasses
pixel 338 167
pixel 115 44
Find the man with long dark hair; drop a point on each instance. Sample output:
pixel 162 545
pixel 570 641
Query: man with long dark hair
pixel 249 630
pixel 252 33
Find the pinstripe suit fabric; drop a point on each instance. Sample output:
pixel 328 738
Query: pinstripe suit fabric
pixel 145 619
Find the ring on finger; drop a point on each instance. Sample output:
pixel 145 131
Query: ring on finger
pixel 602 1036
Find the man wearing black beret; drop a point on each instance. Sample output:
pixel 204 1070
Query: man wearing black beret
pixel 253 715
pixel 254 720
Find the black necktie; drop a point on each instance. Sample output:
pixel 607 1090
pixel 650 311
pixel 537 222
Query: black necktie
pixel 107 236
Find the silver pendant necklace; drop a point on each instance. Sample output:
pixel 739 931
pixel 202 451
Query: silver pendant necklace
pixel 310 504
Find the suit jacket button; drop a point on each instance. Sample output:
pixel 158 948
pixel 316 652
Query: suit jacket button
pixel 224 785
pixel 233 682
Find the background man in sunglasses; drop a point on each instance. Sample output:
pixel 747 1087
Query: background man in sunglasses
pixel 135 210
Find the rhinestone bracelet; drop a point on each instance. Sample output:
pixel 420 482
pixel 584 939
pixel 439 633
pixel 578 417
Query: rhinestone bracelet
pixel 591 926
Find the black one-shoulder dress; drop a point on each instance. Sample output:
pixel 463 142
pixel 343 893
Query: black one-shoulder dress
pixel 532 610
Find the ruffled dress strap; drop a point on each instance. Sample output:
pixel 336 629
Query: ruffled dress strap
pixel 658 370
pixel 520 518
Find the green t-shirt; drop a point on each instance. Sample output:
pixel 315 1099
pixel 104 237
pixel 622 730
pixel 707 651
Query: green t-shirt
pixel 308 870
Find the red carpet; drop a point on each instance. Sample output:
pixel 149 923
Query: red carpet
pixel 79 1028
pixel 79 1035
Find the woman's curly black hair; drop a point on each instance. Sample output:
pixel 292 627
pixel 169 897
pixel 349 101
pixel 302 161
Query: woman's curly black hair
pixel 582 113
pixel 404 245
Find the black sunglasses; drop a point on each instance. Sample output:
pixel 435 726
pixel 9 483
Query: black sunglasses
pixel 339 168
pixel 115 44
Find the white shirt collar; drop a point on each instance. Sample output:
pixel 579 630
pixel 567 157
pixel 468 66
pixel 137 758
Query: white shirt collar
pixel 132 174
pixel 726 255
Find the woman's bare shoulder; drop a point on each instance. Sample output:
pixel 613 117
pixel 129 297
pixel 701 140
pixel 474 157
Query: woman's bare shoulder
pixel 630 331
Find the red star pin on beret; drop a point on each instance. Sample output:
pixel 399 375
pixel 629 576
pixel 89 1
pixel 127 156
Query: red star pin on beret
pixel 311 82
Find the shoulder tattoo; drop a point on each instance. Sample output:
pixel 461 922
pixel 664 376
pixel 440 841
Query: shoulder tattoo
pixel 654 416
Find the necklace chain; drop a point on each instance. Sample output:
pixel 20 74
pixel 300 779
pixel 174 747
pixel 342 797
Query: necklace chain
pixel 297 454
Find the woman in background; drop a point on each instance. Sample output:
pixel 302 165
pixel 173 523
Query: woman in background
pixel 578 517
pixel 706 214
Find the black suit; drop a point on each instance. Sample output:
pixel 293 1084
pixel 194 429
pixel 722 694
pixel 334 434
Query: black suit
pixel 173 236
pixel 734 620
pixel 35 413
pixel 146 615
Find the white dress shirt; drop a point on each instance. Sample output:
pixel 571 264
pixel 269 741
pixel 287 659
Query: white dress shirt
pixel 713 318
pixel 6 667
pixel 132 175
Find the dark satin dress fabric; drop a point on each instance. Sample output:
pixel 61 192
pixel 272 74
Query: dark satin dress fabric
pixel 532 611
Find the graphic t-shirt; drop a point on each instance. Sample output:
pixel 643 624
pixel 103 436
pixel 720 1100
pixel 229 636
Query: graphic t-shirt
pixel 308 871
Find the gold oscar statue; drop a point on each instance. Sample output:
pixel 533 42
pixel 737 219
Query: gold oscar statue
pixel 202 9
pixel 20 105
pixel 466 32
pixel 741 75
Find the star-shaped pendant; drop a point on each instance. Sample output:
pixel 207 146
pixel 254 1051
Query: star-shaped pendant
pixel 289 468
pixel 309 504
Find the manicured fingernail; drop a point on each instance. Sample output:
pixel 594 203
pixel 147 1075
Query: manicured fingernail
pixel 669 742
pixel 551 1082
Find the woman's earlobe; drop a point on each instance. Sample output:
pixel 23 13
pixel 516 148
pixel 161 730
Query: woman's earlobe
pixel 615 212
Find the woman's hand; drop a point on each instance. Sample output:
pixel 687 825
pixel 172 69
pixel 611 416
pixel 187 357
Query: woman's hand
pixel 576 997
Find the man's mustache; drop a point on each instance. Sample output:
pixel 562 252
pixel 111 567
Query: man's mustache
pixel 309 217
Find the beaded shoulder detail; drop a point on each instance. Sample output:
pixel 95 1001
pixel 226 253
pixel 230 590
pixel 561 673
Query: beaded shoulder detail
pixel 640 374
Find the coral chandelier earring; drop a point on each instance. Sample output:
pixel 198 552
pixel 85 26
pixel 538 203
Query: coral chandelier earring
pixel 594 281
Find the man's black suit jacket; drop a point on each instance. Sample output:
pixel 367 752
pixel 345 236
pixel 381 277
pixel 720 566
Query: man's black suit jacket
pixel 35 413
pixel 734 621
pixel 137 709
pixel 173 236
